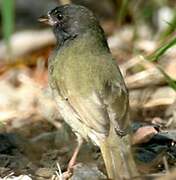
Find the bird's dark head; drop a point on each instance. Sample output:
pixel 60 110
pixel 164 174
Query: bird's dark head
pixel 69 21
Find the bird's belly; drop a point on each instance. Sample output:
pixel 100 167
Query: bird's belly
pixel 74 121
pixel 70 116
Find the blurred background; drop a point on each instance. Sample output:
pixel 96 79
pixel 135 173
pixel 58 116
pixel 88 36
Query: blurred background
pixel 142 37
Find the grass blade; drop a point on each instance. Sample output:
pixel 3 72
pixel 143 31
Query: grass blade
pixel 155 56
pixel 7 10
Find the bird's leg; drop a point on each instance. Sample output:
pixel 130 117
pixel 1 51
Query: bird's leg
pixel 68 173
pixel 75 153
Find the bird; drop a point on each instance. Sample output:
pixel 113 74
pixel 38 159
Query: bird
pixel 88 87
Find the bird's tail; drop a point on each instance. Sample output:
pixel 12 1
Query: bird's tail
pixel 117 157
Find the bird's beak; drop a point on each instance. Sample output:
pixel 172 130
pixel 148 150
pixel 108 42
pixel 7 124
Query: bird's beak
pixel 47 19
pixel 44 19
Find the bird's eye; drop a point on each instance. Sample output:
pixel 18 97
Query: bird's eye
pixel 55 11
pixel 60 16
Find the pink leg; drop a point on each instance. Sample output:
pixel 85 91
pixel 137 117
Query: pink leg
pixel 68 173
pixel 75 154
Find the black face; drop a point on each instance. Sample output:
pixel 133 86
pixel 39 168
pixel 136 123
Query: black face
pixel 71 20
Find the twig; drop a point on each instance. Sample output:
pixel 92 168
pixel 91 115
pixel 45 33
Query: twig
pixel 9 175
pixel 59 174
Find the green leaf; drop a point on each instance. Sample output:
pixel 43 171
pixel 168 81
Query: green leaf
pixel 171 81
pixel 170 29
pixel 155 56
pixel 160 51
pixel 7 10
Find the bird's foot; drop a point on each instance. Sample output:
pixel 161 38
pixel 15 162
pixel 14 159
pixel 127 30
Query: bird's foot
pixel 66 175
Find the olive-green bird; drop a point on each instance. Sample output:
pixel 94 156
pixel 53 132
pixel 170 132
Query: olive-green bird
pixel 88 87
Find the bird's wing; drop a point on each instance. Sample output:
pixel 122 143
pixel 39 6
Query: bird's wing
pixel 92 111
pixel 116 100
pixel 97 111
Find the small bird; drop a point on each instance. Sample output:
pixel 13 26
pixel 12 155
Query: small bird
pixel 88 87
